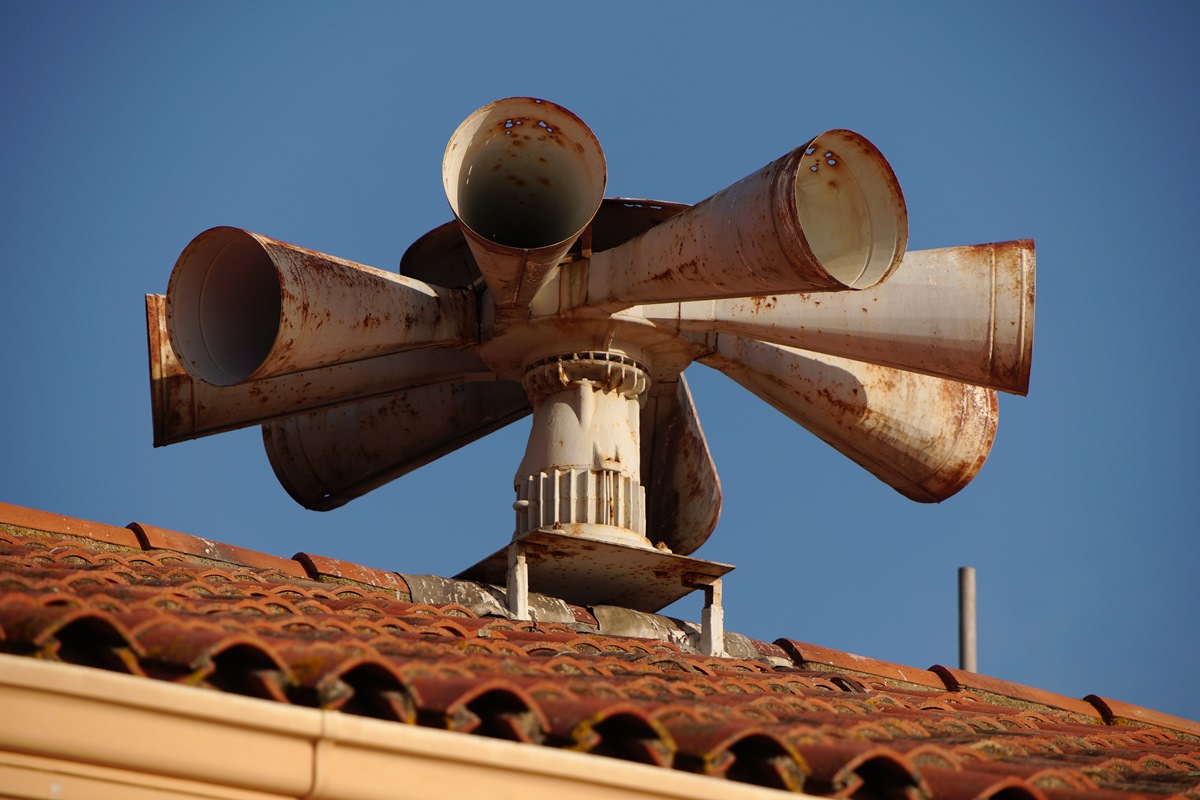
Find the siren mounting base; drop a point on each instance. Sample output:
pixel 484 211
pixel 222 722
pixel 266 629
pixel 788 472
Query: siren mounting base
pixel 589 572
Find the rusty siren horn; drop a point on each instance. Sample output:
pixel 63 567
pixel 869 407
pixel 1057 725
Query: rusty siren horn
pixel 828 216
pixel 524 178
pixel 243 307
pixel 326 458
pixel 683 490
pixel 542 297
pixel 925 437
pixel 185 408
pixel 960 313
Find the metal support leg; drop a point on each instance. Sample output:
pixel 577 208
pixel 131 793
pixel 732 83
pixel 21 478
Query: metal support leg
pixel 518 582
pixel 712 618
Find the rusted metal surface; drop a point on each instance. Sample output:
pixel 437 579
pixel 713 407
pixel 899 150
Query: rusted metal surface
pixel 442 256
pixel 184 408
pixel 327 458
pixel 683 491
pixel 542 296
pixel 582 467
pixel 827 216
pixel 524 177
pixel 170 385
pixel 962 313
pixel 926 437
pixel 241 306
pixel 589 573
pixel 622 218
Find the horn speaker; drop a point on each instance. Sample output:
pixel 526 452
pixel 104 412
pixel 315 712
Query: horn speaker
pixel 543 297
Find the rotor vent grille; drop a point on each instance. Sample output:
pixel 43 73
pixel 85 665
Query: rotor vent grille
pixel 576 501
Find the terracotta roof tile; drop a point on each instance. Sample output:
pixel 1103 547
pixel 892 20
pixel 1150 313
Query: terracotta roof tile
pixel 321 567
pixel 152 538
pixel 845 769
pixel 956 784
pixel 602 727
pixel 321 633
pixel 746 753
pixel 958 679
pixel 34 520
pixel 812 655
pixel 490 707
pixel 1115 712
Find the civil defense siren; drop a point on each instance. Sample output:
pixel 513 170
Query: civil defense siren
pixel 544 297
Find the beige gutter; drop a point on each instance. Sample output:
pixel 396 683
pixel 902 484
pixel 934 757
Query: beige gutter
pixel 82 733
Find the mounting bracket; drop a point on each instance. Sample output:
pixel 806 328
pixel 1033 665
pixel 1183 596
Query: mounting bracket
pixel 591 572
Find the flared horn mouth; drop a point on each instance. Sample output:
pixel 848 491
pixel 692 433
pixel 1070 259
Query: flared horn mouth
pixel 242 306
pixel 828 216
pixel 524 177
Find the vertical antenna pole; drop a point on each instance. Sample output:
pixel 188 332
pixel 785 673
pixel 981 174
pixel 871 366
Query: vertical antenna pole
pixel 967 633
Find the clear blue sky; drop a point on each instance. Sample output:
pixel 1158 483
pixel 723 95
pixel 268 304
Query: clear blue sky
pixel 129 128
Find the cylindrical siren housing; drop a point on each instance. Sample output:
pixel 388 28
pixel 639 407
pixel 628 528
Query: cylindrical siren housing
pixel 241 306
pixel 524 178
pixel 827 216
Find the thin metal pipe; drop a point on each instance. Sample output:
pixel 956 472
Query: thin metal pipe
pixel 968 642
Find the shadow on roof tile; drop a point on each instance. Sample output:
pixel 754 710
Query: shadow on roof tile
pixel 494 707
pixel 861 770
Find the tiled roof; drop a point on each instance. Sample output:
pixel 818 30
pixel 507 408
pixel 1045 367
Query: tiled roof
pixel 318 632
